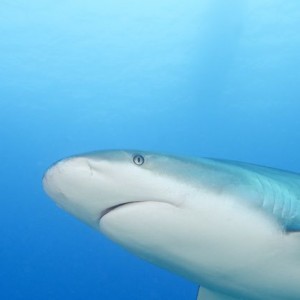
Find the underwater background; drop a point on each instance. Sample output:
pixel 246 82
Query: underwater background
pixel 206 78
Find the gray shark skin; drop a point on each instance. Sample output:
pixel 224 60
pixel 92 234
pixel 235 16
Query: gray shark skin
pixel 231 227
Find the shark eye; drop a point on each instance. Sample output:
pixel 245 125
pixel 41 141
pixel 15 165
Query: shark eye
pixel 138 159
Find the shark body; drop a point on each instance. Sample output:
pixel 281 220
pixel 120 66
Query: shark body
pixel 233 228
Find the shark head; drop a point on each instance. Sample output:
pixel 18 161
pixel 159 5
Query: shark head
pixel 143 201
pixel 95 185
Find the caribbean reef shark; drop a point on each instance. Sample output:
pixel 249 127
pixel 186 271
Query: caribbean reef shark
pixel 233 228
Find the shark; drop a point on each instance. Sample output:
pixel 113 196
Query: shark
pixel 231 227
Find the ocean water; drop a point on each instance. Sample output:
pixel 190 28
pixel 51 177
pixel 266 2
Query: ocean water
pixel 197 78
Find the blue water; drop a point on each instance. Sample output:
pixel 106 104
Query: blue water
pixel 197 78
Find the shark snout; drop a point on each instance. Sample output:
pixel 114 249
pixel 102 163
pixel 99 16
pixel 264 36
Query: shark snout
pixel 79 185
pixel 65 175
pixel 54 177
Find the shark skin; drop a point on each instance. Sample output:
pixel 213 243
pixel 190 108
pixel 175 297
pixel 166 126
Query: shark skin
pixel 231 227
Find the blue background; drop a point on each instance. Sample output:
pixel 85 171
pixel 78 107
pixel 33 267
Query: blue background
pixel 198 78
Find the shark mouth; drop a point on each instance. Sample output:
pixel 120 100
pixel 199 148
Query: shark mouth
pixel 109 209
pixel 117 206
